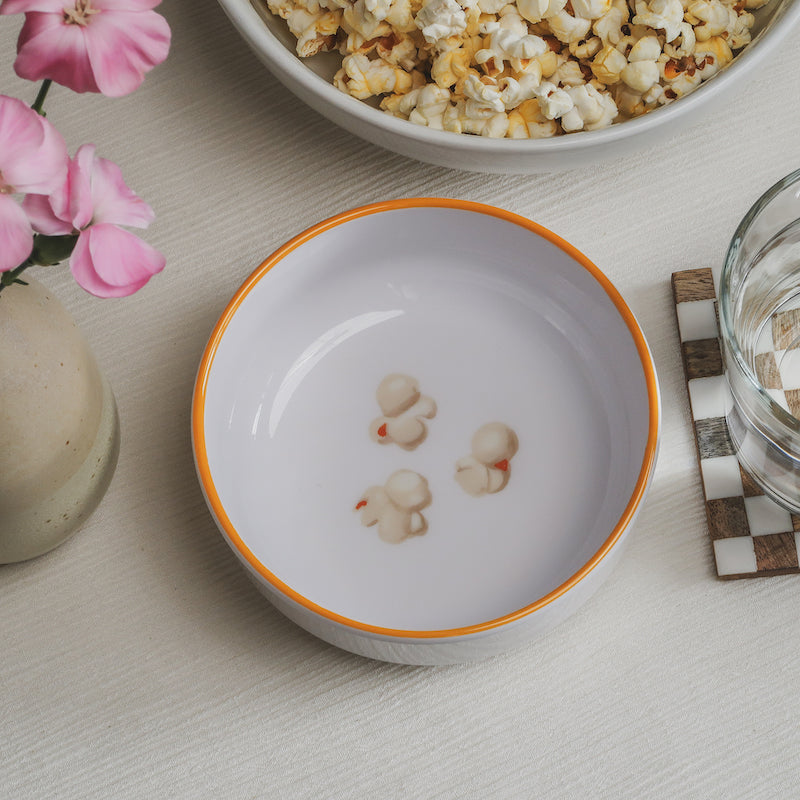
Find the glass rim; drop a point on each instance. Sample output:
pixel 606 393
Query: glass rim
pixel 728 337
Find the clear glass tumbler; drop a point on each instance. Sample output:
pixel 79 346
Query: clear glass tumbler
pixel 759 316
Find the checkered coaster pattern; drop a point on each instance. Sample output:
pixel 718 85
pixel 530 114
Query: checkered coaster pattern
pixel 752 536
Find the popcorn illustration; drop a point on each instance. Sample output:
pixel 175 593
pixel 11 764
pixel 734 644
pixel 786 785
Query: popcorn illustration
pixel 395 507
pixel 404 411
pixel 488 468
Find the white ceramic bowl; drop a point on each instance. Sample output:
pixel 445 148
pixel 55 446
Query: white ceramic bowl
pixel 310 80
pixel 498 320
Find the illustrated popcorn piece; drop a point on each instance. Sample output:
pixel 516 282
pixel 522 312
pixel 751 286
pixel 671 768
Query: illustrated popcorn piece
pixel 395 507
pixel 488 468
pixel 404 412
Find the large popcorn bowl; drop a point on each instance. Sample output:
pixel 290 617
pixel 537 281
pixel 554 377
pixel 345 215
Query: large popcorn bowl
pixel 521 349
pixel 311 80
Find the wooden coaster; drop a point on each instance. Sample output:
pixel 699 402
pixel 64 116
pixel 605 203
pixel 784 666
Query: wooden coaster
pixel 752 536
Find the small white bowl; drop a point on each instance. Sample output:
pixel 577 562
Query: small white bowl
pixel 499 320
pixel 310 80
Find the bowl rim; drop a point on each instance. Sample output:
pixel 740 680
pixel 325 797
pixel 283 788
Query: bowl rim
pixel 248 21
pixel 217 334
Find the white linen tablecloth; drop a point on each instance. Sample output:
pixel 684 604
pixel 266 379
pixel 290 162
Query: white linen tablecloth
pixel 138 661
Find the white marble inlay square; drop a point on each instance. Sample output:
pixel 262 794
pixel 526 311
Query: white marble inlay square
pixel 710 397
pixel 697 319
pixel 766 516
pixel 735 556
pixel 721 477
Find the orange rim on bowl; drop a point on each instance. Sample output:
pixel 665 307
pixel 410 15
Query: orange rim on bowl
pixel 201 383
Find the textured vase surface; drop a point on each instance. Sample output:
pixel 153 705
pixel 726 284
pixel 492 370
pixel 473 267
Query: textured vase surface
pixel 59 430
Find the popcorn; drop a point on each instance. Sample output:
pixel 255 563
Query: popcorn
pixel 590 109
pixel 363 78
pixel 430 105
pixel 641 72
pixel 357 19
pixel 608 64
pixel 490 7
pixel 609 27
pixel 526 121
pixel 740 33
pixel 591 9
pixel 568 28
pixel 520 68
pixel 439 19
pixel 666 15
pixel 716 18
pixel 483 91
pixel 315 33
pixel 584 50
pixel 711 56
pixel 516 92
pixel 679 77
pixel 683 44
pixel 569 73
pixel 537 10
pixel 467 116
pixel 452 66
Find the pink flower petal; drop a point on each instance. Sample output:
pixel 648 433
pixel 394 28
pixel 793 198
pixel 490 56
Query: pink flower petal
pixel 123 46
pixel 26 6
pixel 16 236
pixel 20 134
pixel 122 5
pixel 42 217
pixel 80 208
pixel 49 48
pixel 32 151
pixel 114 201
pixel 110 262
pixel 52 160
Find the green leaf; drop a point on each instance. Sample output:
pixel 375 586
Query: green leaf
pixel 49 250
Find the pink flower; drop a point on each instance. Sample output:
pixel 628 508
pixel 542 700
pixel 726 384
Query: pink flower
pixel 33 158
pixel 102 46
pixel 107 261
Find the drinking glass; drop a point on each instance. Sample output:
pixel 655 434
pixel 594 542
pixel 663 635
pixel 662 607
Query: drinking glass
pixel 759 316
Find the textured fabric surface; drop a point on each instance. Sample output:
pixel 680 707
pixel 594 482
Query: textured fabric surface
pixel 138 661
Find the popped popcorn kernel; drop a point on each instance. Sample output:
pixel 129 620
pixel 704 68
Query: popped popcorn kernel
pixel 520 68
pixel 363 78
pixel 526 121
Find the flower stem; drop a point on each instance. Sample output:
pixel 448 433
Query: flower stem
pixel 48 251
pixel 12 275
pixel 39 101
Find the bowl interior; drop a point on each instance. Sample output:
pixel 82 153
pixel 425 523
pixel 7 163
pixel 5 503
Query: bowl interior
pixel 498 320
pixel 265 30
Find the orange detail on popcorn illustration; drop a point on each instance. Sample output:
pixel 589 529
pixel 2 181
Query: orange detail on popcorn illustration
pixel 395 507
pixel 404 412
pixel 488 469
